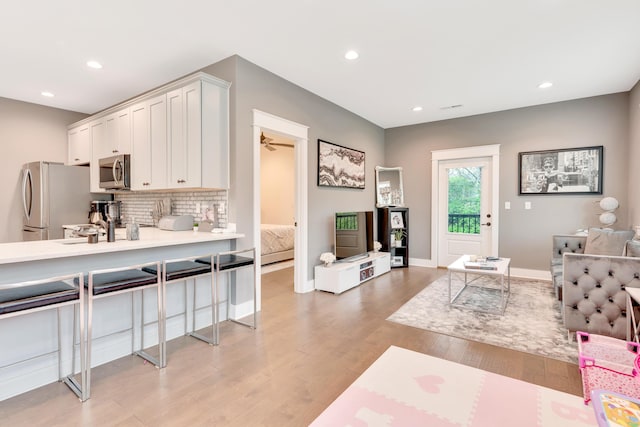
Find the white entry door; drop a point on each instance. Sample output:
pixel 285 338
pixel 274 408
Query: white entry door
pixel 465 208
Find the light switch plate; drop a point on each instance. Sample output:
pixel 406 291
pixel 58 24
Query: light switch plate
pixel 507 205
pixel 527 205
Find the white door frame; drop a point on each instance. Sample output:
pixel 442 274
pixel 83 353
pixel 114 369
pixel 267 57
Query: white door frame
pixel 299 134
pixel 437 156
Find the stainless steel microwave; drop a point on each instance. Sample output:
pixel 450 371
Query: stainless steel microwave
pixel 115 172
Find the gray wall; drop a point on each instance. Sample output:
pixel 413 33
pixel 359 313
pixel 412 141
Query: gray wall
pixel 28 132
pixel 255 87
pixel 593 121
pixel 31 132
pixel 634 155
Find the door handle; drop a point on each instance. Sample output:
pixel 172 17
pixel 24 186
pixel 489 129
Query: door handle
pixel 27 204
pixel 487 224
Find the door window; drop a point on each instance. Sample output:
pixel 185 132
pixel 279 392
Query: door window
pixel 464 199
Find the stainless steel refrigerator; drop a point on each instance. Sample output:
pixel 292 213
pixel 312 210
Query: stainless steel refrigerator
pixel 53 195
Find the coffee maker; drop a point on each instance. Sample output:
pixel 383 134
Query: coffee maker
pixel 99 209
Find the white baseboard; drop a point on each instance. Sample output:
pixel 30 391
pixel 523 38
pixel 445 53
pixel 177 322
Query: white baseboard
pixel 310 286
pixel 418 262
pixel 524 273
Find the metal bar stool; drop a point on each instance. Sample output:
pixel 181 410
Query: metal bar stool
pixel 180 269
pixel 226 262
pixel 17 299
pixel 109 282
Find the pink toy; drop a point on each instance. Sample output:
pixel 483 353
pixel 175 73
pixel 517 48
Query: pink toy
pixel 608 363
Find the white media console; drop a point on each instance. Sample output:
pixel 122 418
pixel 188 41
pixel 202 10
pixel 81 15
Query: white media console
pixel 342 276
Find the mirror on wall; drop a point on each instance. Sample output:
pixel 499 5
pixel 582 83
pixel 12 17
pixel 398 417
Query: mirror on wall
pixel 389 190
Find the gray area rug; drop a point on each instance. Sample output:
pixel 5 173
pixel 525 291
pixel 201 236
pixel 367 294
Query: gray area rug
pixel 531 323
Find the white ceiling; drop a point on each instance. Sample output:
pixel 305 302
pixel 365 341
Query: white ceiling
pixel 486 55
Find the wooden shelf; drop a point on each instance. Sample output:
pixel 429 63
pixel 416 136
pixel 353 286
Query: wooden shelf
pixel 391 219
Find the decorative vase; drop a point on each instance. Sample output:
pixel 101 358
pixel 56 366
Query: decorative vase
pixel 328 264
pixel 398 243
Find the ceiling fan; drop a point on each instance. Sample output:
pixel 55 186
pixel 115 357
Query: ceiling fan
pixel 266 141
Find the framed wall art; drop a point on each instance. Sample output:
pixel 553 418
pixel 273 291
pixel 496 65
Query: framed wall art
pixel 564 171
pixel 340 166
pixel 396 220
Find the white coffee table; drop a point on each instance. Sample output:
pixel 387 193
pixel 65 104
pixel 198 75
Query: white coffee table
pixel 501 276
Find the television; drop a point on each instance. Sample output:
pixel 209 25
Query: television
pixel 353 235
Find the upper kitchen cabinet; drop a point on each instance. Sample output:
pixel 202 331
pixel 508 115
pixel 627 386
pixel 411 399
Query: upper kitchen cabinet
pixel 79 149
pixel 149 144
pixel 214 116
pixel 198 135
pixel 177 135
pixel 97 132
pixel 117 134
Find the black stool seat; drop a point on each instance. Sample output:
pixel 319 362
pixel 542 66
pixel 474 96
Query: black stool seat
pixel 228 262
pixel 110 282
pixel 181 269
pixel 27 297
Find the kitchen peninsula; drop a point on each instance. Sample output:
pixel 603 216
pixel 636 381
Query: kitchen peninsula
pixel 28 342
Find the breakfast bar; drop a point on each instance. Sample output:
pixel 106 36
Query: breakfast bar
pixel 28 358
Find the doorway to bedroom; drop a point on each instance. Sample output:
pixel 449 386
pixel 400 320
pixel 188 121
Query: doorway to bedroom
pixel 267 125
pixel 277 201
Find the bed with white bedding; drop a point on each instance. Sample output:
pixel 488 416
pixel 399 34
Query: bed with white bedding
pixel 277 242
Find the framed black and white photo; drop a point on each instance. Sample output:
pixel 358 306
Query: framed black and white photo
pixel 564 171
pixel 396 220
pixel 340 166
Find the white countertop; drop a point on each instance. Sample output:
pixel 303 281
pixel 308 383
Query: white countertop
pixel 149 238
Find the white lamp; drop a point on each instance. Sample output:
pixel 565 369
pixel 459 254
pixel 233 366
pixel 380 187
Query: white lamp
pixel 608 205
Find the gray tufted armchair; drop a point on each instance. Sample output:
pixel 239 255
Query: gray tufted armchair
pixel 594 297
pixel 563 243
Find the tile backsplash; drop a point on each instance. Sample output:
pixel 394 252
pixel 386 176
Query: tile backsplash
pixel 140 205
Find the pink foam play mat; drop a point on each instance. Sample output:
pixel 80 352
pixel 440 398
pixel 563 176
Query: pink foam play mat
pixel 405 388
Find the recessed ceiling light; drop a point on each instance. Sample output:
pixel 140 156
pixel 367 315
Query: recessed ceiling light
pixel 94 64
pixel 47 94
pixel 417 108
pixel 545 85
pixel 351 55
pixel 450 107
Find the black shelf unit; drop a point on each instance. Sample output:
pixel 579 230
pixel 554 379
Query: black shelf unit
pixel 392 220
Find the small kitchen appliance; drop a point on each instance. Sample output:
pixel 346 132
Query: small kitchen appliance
pixel 115 172
pixel 100 210
pixel 114 207
pixel 176 222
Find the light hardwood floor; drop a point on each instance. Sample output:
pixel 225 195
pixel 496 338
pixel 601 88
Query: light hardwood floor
pixel 307 349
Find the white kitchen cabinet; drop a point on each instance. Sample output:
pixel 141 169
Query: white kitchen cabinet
pixel 177 135
pixel 214 116
pixel 97 133
pixel 149 144
pixel 117 134
pixel 198 135
pixel 79 148
pixel 184 153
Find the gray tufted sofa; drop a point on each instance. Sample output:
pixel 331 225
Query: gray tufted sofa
pixel 594 297
pixel 563 243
